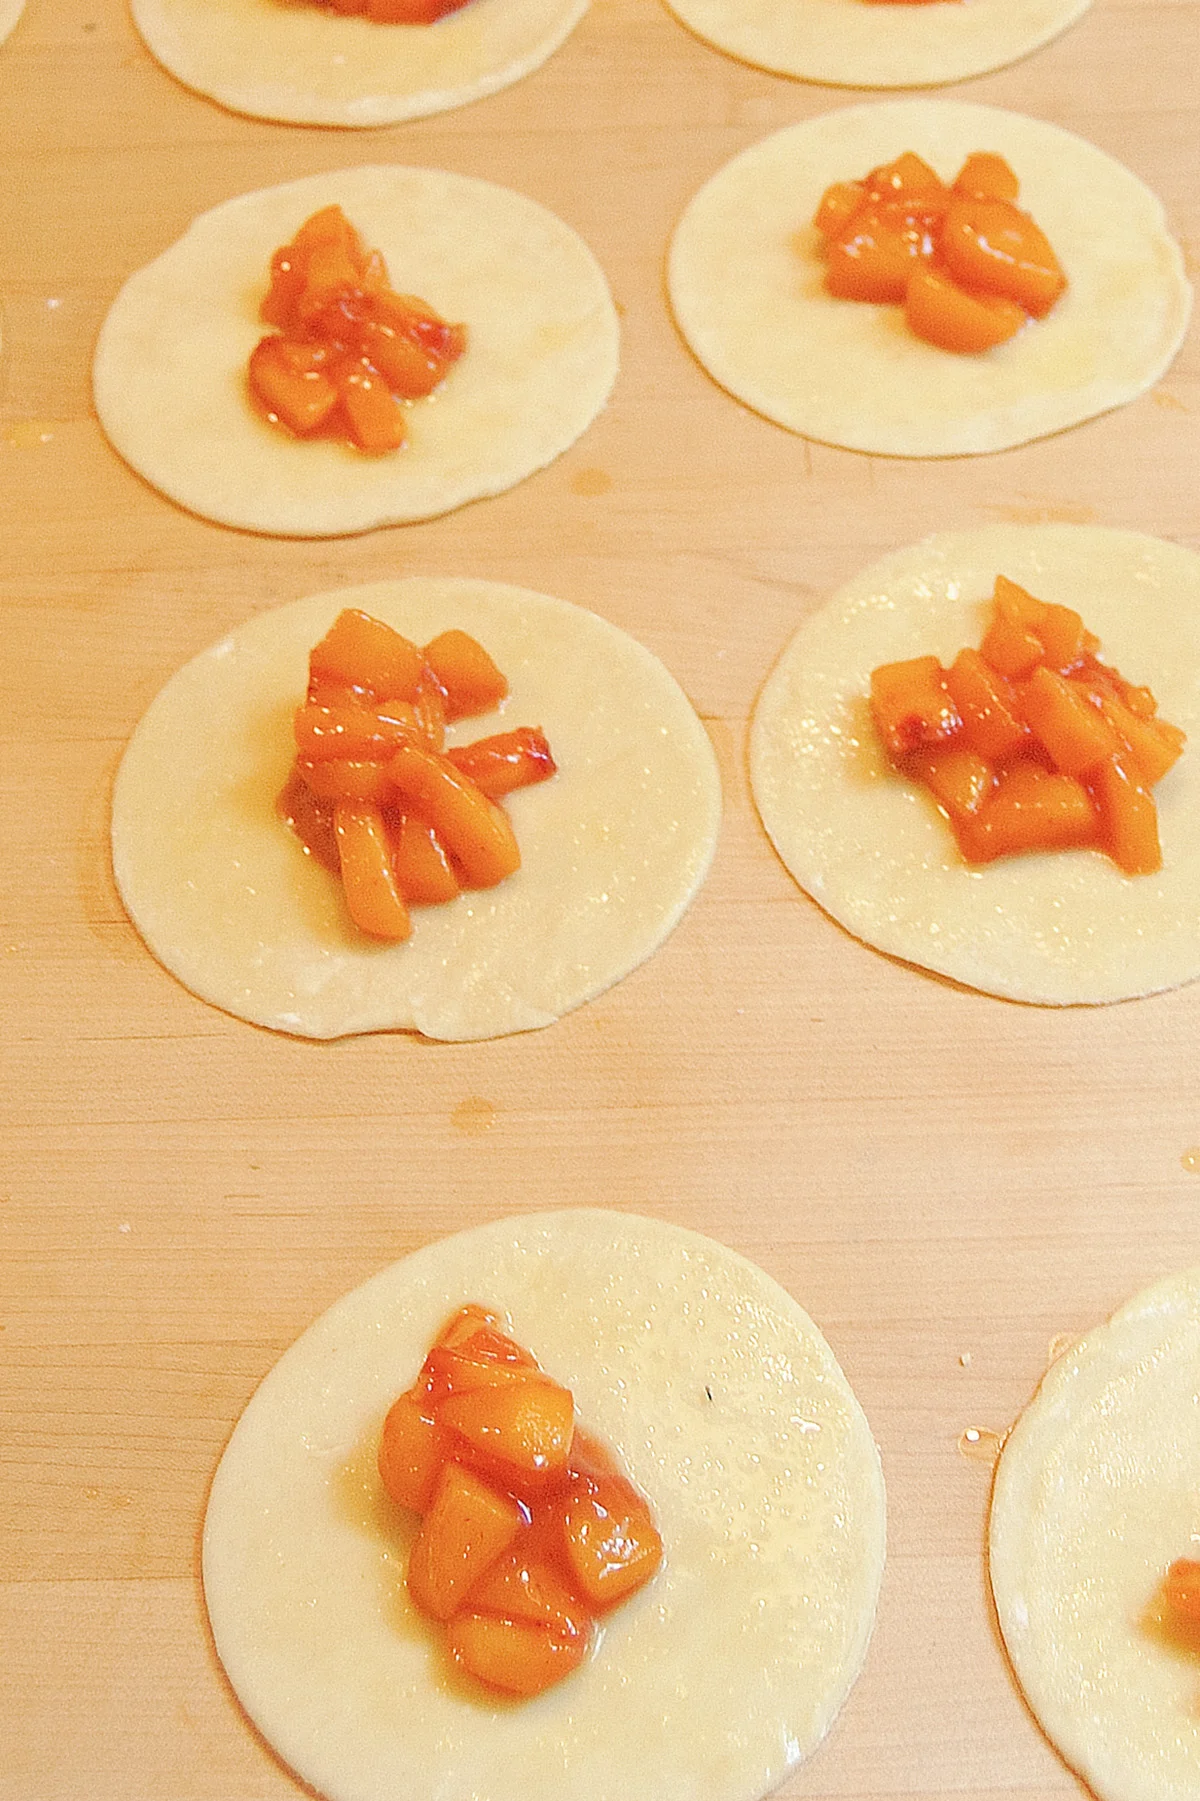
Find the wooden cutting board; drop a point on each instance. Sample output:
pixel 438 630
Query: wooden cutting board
pixel 944 1181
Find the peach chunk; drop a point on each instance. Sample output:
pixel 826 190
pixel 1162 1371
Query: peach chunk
pixel 467 1526
pixel 613 1545
pixel 515 1656
pixel 911 705
pixel 526 1424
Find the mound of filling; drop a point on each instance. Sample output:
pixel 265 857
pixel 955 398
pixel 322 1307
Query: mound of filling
pixel 393 12
pixel 529 1532
pixel 1031 742
pixel 967 265
pixel 348 353
pixel 374 793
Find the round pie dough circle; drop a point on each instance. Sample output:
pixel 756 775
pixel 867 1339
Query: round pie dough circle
pixel 10 12
pixel 746 281
pixel 613 848
pixel 1095 1496
pixel 851 43
pixel 730 1413
pixel 297 62
pixel 1061 928
pixel 541 358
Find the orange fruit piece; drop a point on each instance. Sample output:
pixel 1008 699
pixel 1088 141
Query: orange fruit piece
pixel 943 313
pixel 991 244
pixel 875 256
pixel 467 1526
pixel 505 762
pixel 515 1656
pixel 613 1546
pixel 1182 1590
pixel 469 678
pixel 474 830
pixel 1128 815
pixel 911 705
pixel 373 899
pixel 412 1450
pixel 524 1424
pixel 366 653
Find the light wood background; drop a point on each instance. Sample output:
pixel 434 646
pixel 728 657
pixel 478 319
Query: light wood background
pixel 945 1181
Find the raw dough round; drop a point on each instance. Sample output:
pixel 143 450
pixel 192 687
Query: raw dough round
pixel 289 60
pixel 746 280
pixel 541 358
pixel 1095 1496
pixel 852 43
pixel 613 848
pixel 730 1413
pixel 10 12
pixel 1060 928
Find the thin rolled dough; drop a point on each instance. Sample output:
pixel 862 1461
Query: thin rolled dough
pixel 1096 1494
pixel 170 366
pixel 1062 928
pixel 746 280
pixel 289 60
pixel 729 1411
pixel 613 848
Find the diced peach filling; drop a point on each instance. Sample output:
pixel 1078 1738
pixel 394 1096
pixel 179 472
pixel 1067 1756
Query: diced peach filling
pixel 968 266
pixel 348 353
pixel 1031 742
pixel 529 1531
pixel 394 12
pixel 374 795
pixel 1181 1592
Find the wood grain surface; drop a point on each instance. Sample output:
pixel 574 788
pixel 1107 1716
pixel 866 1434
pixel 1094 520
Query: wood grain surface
pixel 944 1181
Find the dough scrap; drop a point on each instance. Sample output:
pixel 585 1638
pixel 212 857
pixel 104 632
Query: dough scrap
pixel 850 43
pixel 541 358
pixel 1064 928
pixel 1095 1496
pixel 712 1682
pixel 296 62
pixel 10 12
pixel 745 275
pixel 613 848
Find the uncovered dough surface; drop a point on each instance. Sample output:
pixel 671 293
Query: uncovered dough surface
pixel 541 357
pixel 613 848
pixel 711 1683
pixel 286 59
pixel 1059 928
pixel 851 43
pixel 746 276
pixel 1095 1496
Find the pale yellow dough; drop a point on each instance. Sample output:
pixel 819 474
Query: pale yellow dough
pixel 1096 1494
pixel 613 848
pixel 10 12
pixel 289 60
pixel 851 43
pixel 728 1410
pixel 541 358
pixel 1059 928
pixel 746 281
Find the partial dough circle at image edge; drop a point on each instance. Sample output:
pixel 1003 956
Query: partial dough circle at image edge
pixel 746 281
pixel 614 848
pixel 1094 1498
pixel 728 1410
pixel 542 345
pixel 302 64
pixel 852 43
pixel 1061 928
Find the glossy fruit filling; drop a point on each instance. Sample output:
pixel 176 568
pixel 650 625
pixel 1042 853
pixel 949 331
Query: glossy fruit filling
pixel 394 12
pixel 375 795
pixel 967 265
pixel 348 354
pixel 1031 742
pixel 529 1532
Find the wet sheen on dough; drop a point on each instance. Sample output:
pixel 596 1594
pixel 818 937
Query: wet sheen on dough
pixel 1096 1494
pixel 729 1411
pixel 746 279
pixel 1060 928
pixel 852 43
pixel 613 848
pixel 289 60
pixel 541 358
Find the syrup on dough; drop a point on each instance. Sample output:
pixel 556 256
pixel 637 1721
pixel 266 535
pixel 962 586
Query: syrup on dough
pixel 541 357
pixel 1095 1496
pixel 289 60
pixel 853 43
pixel 746 276
pixel 613 848
pixel 728 1411
pixel 1060 928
